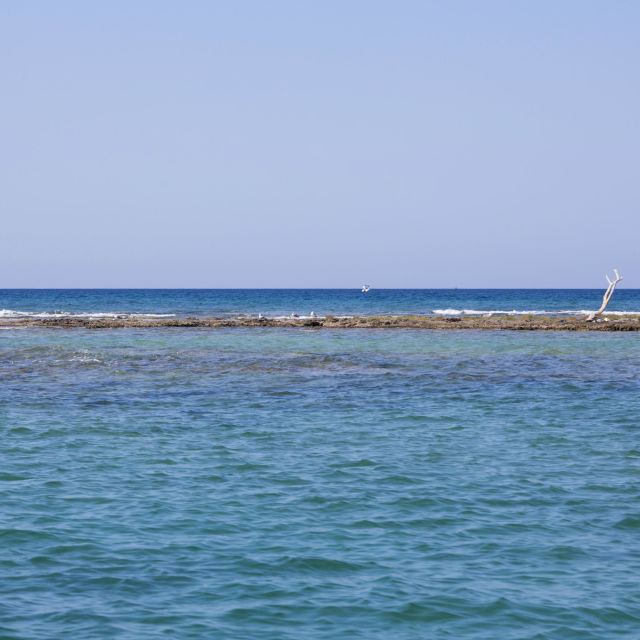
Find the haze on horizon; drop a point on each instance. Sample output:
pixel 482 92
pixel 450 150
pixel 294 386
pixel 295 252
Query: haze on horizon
pixel 319 144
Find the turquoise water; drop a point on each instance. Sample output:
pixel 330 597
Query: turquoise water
pixel 302 484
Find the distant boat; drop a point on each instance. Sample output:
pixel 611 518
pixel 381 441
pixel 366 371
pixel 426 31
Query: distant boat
pixel 365 288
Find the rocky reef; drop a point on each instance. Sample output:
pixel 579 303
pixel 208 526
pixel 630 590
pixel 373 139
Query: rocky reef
pixel 510 323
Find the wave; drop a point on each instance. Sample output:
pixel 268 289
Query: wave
pixel 531 312
pixel 10 313
pixel 13 314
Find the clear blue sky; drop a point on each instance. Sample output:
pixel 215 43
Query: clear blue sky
pixel 319 144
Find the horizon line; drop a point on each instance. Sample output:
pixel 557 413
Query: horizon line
pixel 355 288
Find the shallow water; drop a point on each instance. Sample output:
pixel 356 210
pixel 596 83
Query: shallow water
pixel 301 484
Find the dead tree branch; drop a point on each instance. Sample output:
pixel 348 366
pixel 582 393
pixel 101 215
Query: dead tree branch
pixel 607 295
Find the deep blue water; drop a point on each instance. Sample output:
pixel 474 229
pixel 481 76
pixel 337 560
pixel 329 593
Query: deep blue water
pixel 283 302
pixel 304 484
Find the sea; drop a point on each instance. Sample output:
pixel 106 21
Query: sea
pixel 43 303
pixel 305 484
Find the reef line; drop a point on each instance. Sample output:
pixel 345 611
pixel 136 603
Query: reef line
pixel 510 323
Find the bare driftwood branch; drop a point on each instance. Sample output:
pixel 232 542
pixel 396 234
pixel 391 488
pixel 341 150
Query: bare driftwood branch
pixel 607 295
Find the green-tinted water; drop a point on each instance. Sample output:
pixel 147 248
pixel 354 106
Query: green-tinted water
pixel 291 484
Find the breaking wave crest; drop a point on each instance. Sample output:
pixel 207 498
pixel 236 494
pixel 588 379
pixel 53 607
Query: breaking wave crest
pixel 14 314
pixel 534 312
pixel 10 313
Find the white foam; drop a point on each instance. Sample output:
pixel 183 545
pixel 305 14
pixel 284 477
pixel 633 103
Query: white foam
pixel 448 312
pixel 10 313
pixel 526 312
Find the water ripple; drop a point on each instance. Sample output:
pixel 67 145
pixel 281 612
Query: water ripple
pixel 287 484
